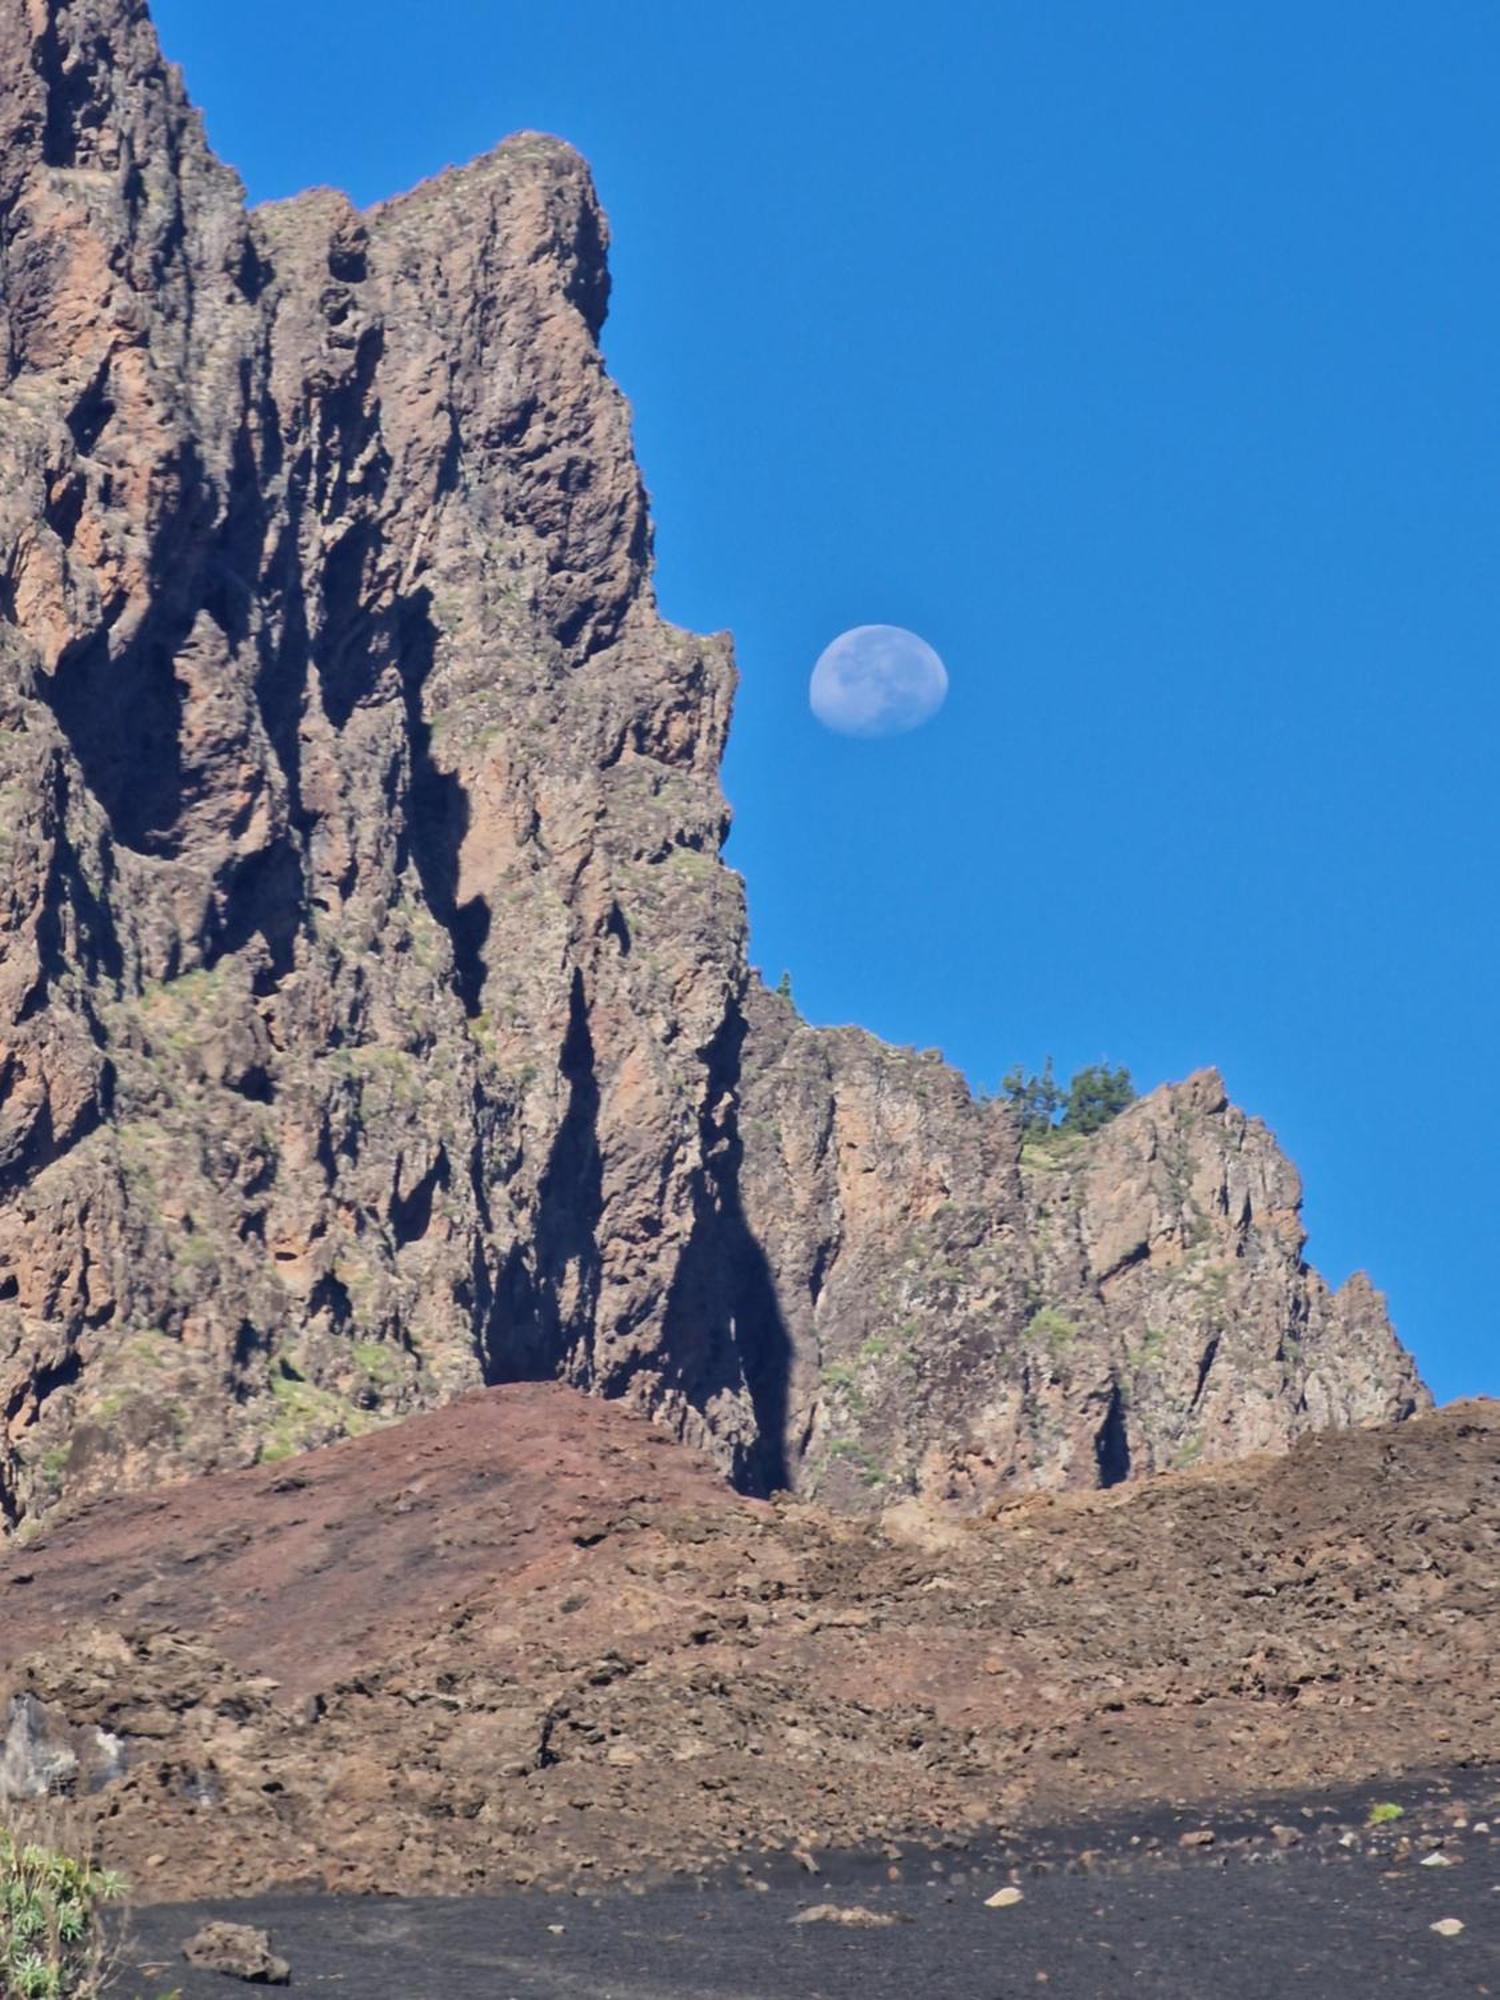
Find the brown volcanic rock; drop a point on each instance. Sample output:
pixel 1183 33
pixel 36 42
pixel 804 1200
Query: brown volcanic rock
pixel 1127 1303
pixel 523 1640
pixel 374 1014
pixel 366 938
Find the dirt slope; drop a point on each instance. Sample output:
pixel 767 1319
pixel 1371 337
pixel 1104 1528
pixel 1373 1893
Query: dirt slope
pixel 525 1639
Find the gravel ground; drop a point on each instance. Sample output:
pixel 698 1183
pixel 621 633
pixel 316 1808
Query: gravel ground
pixel 1326 1907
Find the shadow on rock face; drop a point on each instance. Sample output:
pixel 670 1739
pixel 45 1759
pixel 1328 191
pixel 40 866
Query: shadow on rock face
pixel 722 1330
pixel 723 1319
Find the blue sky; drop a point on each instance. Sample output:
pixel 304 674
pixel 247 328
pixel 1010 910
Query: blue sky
pixel 1144 360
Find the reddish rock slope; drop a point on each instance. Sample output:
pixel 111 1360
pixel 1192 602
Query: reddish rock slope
pixel 526 1637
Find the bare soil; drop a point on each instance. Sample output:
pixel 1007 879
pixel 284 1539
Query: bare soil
pixel 526 1641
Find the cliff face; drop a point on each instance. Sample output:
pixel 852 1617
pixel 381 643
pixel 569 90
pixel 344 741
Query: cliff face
pixel 374 1013
pixel 971 1315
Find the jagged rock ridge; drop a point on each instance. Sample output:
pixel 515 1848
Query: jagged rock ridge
pixel 375 1019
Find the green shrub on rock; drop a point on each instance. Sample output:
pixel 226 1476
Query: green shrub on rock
pixel 52 1903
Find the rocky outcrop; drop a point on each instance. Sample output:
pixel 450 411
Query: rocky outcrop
pixel 970 1315
pixel 374 1014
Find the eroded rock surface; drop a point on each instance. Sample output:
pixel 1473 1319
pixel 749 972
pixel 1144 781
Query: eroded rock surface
pixel 375 1020
pixel 970 1317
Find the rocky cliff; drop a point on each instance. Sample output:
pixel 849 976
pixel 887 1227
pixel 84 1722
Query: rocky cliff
pixel 375 1019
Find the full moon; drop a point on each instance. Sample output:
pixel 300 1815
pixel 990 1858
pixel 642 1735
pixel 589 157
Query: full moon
pixel 877 680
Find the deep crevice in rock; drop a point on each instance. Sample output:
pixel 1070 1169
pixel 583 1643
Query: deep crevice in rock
pixel 411 1214
pixel 48 1378
pixel 331 1296
pixel 71 108
pixel 123 720
pixel 723 1326
pixel 347 648
pixel 40 1144
pixel 96 942
pixel 92 412
pixel 286 655
pixel 262 898
pixel 122 715
pixel 545 1303
pixel 437 810
pixel 1112 1442
pixel 1205 1363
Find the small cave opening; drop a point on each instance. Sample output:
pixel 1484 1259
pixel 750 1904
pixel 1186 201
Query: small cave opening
pixel 91 414
pixel 1112 1442
pixel 1206 1362
pixel 411 1213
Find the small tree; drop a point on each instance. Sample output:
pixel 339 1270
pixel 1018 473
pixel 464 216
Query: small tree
pixel 1041 1105
pixel 1096 1095
pixel 52 1902
pixel 1035 1099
